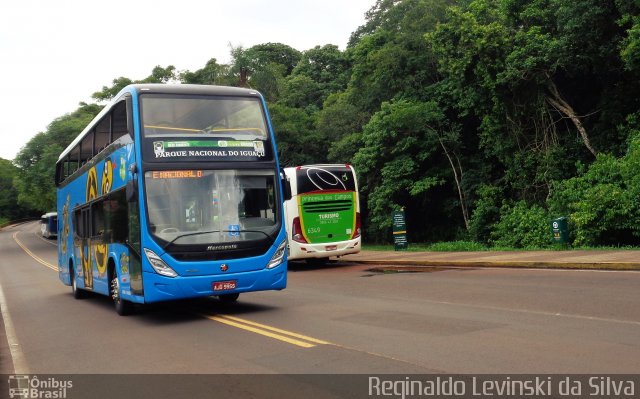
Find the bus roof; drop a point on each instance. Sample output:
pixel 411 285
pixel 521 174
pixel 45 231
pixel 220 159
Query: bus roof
pixel 160 88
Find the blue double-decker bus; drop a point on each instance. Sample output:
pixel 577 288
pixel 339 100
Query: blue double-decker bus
pixel 172 192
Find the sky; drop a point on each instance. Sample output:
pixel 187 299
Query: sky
pixel 55 53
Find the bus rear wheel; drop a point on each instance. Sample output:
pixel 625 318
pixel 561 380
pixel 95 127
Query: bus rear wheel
pixel 123 307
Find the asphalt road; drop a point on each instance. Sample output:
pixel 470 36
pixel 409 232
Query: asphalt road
pixel 337 319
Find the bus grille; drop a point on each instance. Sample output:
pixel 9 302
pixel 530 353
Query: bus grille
pixel 327 206
pixel 200 255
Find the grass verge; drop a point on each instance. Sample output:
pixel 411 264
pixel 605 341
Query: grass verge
pixel 470 246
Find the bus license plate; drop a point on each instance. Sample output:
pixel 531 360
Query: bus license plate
pixel 331 247
pixel 224 285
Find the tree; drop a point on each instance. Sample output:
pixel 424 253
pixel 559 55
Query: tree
pixel 262 55
pixel 37 159
pixel 300 91
pixel 298 143
pixel 211 74
pixel 630 21
pixel 603 202
pixel 9 208
pixel 107 93
pixel 158 75
pixel 269 61
pixel 341 123
pixel 161 75
pixel 403 163
pixel 327 66
pixel 389 55
pixel 530 77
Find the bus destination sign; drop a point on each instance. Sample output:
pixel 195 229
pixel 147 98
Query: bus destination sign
pixel 198 149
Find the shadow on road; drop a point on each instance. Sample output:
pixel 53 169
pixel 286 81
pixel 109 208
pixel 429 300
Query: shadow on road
pixel 302 266
pixel 176 312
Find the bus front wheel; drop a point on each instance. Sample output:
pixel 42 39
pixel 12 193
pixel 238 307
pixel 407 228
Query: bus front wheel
pixel 77 292
pixel 122 307
pixel 228 298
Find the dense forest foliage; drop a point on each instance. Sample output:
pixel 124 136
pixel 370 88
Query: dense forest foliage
pixel 484 119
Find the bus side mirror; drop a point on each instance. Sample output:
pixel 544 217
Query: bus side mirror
pixel 131 190
pixel 286 186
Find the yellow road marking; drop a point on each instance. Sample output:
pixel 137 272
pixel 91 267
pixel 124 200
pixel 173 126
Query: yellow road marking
pixel 31 254
pixel 266 327
pixel 267 331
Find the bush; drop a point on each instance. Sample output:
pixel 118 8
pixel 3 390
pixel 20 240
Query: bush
pixel 486 213
pixel 522 226
pixel 604 202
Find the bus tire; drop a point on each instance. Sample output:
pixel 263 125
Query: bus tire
pixel 317 262
pixel 78 293
pixel 123 308
pixel 228 298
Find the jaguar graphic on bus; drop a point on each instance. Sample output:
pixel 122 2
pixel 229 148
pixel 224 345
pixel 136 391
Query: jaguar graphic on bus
pixel 323 214
pixel 171 192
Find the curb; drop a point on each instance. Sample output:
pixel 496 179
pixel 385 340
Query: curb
pixel 13 223
pixel 399 264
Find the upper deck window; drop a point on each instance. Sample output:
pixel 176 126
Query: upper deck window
pixel 238 118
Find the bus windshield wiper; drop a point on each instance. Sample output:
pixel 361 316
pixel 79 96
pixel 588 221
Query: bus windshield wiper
pixel 187 235
pixel 212 231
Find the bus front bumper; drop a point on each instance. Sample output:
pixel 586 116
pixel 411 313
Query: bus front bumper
pixel 324 250
pixel 159 288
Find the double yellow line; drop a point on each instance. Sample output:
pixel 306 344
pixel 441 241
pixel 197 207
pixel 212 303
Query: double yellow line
pixel 268 331
pixel 34 256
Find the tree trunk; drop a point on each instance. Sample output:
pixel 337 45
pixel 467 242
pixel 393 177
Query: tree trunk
pixel 563 107
pixel 458 179
pixel 244 77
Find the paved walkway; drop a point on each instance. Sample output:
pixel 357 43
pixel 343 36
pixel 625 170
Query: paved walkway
pixel 619 260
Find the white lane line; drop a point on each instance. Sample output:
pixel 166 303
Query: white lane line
pixel 17 357
pixel 37 234
pixel 538 312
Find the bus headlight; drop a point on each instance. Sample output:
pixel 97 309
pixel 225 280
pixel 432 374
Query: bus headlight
pixel 278 256
pixel 158 264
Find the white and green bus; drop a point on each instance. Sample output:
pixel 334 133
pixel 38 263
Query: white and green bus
pixel 323 214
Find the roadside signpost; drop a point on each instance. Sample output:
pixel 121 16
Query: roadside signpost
pixel 399 231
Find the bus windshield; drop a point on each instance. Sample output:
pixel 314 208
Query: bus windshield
pixel 195 207
pixel 237 118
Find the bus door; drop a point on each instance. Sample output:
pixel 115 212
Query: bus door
pixel 82 247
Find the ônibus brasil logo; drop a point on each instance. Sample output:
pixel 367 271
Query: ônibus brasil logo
pixel 31 387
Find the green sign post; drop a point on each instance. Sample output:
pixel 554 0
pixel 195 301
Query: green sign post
pixel 399 231
pixel 560 230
